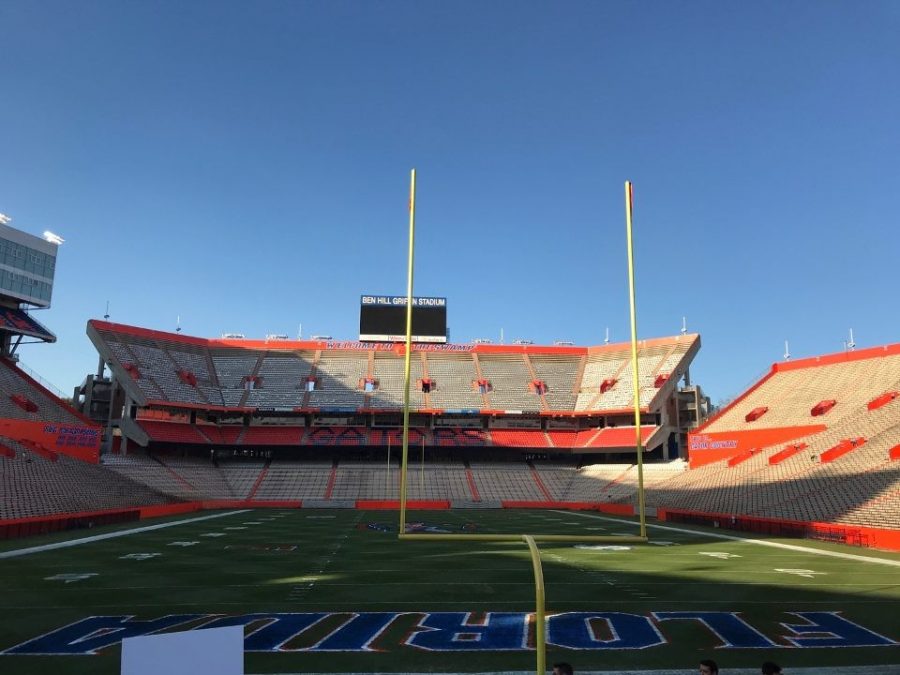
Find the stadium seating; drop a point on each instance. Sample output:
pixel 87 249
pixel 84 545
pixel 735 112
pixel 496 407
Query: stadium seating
pixel 291 481
pixel 233 367
pixel 153 473
pixel 509 376
pixel 338 375
pixel 560 374
pixel 282 379
pixel 241 476
pixel 522 438
pixel 454 375
pixel 390 379
pixel 155 366
pixel 14 384
pixel 32 486
pixel 791 394
pixel 201 475
pixel 505 481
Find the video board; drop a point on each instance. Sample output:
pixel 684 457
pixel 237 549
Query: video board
pixel 382 318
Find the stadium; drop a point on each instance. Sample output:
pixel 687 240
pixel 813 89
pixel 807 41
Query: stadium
pixel 194 483
pixel 258 419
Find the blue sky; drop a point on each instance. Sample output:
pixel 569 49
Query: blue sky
pixel 246 166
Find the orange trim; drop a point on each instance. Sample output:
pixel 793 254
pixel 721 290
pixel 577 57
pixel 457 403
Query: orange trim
pixel 470 479
pixel 177 476
pixel 882 400
pixel 786 453
pixel 871 537
pixel 838 357
pixel 244 504
pixel 543 488
pixel 259 479
pixel 742 457
pixel 841 449
pixel 332 479
pixel 169 509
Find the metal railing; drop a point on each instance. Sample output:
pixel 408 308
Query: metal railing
pixel 42 381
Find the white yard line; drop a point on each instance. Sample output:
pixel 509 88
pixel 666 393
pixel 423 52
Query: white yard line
pixel 760 542
pixel 111 535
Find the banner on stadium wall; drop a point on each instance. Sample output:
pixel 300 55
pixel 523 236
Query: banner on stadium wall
pixel 464 631
pixel 506 423
pixel 461 422
pixel 705 448
pixel 76 440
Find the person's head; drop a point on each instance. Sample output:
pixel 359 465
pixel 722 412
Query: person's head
pixel 708 667
pixel 562 668
pixel 771 668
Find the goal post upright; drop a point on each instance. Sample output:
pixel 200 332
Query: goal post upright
pixel 635 375
pixel 408 355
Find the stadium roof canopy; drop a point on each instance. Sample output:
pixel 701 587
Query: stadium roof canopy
pixel 17 322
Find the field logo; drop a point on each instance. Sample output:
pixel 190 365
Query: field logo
pixel 459 631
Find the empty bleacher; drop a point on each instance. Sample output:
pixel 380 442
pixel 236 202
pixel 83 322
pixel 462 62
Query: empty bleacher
pixel 153 364
pixel 559 373
pixel 241 476
pixel 294 481
pixel 510 379
pixel 282 380
pixel 520 438
pixel 454 375
pixel 17 391
pixel 32 486
pixel 505 481
pixel 233 367
pixel 389 374
pixel 338 375
pixel 791 393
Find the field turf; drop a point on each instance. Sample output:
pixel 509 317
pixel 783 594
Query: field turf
pixel 344 561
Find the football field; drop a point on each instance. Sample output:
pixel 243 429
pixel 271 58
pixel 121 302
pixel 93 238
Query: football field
pixel 335 591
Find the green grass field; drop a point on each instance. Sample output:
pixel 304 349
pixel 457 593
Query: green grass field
pixel 346 562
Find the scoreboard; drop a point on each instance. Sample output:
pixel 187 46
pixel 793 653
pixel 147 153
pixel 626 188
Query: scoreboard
pixel 382 318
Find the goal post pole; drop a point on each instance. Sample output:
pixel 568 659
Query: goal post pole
pixel 635 378
pixel 406 361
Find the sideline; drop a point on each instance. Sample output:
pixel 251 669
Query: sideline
pixel 111 535
pixel 730 537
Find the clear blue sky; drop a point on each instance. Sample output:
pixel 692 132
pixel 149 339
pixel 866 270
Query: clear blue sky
pixel 245 166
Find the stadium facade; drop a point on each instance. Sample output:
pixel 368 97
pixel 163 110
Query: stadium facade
pixel 172 388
